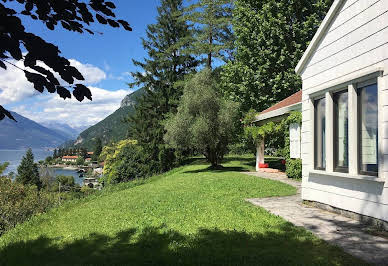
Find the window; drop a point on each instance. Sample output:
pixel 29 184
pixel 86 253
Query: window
pixel 368 130
pixel 341 135
pixel 320 134
pixel 294 140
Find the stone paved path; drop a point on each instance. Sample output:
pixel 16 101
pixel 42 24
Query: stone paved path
pixel 334 228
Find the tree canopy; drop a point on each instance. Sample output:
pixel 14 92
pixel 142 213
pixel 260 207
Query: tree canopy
pixel 28 172
pixel 271 37
pixel 212 32
pixel 204 121
pixel 16 43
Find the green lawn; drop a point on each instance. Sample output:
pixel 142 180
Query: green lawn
pixel 189 216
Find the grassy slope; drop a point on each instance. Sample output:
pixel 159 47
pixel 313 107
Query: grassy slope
pixel 189 216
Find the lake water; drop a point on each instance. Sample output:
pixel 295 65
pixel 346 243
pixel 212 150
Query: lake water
pixel 15 156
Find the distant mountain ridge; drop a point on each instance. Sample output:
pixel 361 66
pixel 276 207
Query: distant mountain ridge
pixel 26 133
pixel 112 128
pixel 64 129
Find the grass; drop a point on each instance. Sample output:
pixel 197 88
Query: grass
pixel 192 215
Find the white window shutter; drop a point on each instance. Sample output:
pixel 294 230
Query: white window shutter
pixel 295 140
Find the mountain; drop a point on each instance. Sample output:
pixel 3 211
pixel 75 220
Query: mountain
pixel 64 129
pixel 112 128
pixel 26 133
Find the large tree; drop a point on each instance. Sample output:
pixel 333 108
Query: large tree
pixel 97 149
pixel 211 22
pixel 28 172
pixel 205 121
pixel 165 66
pixel 16 43
pixel 271 36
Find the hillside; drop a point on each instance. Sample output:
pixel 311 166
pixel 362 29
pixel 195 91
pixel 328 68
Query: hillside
pixel 112 127
pixel 26 133
pixel 189 216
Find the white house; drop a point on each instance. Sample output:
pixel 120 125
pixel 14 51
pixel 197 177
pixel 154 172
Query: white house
pixel 70 158
pixel 345 109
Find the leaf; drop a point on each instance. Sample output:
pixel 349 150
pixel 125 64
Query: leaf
pixel 110 4
pixel 82 91
pixel 29 6
pixel 2 65
pixel 125 24
pixel 63 92
pixel 89 31
pixel 101 19
pixel 113 23
pixel 50 25
pixel 38 80
pixel 4 113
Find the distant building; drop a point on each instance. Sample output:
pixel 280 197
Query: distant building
pixel 70 158
pixel 90 153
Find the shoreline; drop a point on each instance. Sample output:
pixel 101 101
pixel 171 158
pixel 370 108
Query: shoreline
pixel 65 167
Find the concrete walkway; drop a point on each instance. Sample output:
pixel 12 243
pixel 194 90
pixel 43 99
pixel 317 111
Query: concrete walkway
pixel 331 227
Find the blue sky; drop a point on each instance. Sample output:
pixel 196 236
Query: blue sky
pixel 105 60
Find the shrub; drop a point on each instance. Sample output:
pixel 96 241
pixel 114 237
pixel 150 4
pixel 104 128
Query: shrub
pixel 125 161
pixel 18 202
pixel 132 165
pixel 294 168
pixel 67 182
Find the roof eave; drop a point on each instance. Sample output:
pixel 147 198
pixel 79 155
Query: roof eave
pixel 337 4
pixel 279 112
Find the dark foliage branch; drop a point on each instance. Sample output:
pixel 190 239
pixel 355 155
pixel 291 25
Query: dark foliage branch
pixel 72 15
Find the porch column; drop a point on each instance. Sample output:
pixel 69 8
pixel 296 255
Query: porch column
pixel 259 154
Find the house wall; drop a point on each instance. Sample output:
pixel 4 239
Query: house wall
pixel 354 49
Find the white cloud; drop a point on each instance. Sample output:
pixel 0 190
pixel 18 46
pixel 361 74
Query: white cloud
pixel 54 109
pixel 92 74
pixel 15 87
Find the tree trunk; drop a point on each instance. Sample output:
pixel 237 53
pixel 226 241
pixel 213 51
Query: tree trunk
pixel 209 56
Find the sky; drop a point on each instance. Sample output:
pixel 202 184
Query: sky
pixel 104 60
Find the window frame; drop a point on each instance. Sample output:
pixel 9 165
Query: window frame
pixel 316 101
pixel 359 87
pixel 337 168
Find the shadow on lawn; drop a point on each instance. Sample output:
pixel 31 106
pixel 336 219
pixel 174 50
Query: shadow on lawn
pixel 159 246
pixel 219 169
pixel 246 162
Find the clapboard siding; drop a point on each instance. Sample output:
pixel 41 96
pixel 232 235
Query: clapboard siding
pixel 351 12
pixel 358 49
pixel 372 59
pixel 348 4
pixel 361 34
pixel 359 20
pixel 385 108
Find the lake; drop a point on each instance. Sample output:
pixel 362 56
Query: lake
pixel 15 156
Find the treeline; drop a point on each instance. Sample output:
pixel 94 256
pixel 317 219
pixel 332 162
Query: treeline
pixel 208 64
pixel 80 151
